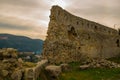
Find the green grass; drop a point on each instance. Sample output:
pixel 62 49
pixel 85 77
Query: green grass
pixel 90 74
pixel 29 64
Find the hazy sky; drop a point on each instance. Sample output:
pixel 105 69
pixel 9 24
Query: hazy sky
pixel 31 17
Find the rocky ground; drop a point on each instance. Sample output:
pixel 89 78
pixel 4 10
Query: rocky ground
pixel 14 68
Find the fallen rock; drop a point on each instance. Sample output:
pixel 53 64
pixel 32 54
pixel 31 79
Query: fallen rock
pixel 84 67
pixel 34 72
pixel 65 67
pixel 100 63
pixel 29 74
pixel 53 71
pixel 20 60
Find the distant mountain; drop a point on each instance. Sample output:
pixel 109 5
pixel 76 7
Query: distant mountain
pixel 22 43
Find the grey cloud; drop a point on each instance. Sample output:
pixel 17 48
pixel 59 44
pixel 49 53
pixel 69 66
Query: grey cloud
pixel 30 3
pixel 29 9
pixel 22 17
pixel 13 27
pixel 102 11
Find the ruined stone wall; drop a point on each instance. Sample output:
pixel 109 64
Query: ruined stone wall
pixel 9 64
pixel 35 72
pixel 71 38
pixel 63 17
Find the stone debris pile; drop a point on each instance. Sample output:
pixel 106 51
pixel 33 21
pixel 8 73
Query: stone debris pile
pixel 9 64
pixel 99 63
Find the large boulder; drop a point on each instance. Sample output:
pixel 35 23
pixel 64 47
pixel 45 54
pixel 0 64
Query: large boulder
pixel 29 74
pixel 53 71
pixel 84 67
pixel 33 73
pixel 65 67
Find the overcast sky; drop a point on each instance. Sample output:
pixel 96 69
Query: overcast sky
pixel 31 17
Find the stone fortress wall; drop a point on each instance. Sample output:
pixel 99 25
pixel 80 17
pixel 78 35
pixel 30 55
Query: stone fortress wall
pixel 69 19
pixel 71 38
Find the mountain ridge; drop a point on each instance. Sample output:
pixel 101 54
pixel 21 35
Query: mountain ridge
pixel 21 43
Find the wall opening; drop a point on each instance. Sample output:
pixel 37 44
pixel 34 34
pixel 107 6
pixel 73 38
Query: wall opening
pixel 104 29
pixel 119 31
pixel 88 25
pixel 82 23
pixel 96 27
pixel 77 23
pixel 58 12
pixel 117 42
pixel 88 37
pixel 72 33
pixel 79 47
pixel 109 32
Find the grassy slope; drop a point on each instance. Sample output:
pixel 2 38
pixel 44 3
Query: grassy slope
pixel 90 74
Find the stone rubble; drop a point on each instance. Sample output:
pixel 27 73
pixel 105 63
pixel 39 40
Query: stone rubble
pixel 11 67
pixel 65 67
pixel 34 73
pixel 53 71
pixel 99 63
pixel 8 62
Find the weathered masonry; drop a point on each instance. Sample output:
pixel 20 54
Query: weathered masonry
pixel 71 38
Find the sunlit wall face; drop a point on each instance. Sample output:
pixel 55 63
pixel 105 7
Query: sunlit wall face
pixel 31 17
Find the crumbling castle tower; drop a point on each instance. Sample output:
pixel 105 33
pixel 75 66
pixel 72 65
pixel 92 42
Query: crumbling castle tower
pixel 71 38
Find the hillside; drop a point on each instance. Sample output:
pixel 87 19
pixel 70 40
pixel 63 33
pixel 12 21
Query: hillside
pixel 21 43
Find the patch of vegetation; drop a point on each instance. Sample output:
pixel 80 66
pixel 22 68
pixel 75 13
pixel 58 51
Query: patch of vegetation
pixel 29 64
pixel 90 74
pixel 7 78
pixel 115 59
